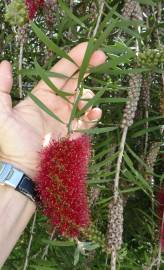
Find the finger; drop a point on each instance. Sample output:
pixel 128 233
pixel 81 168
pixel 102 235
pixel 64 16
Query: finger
pixel 97 58
pixel 87 94
pixel 6 79
pixel 91 117
pixel 89 120
pixel 68 68
pixel 6 82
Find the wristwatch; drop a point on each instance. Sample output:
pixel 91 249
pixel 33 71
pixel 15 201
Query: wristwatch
pixel 13 177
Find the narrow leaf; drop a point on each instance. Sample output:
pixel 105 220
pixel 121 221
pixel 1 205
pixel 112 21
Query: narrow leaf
pixel 136 173
pixel 146 2
pixel 85 63
pixel 74 108
pixel 149 119
pixel 144 131
pixel 129 190
pixel 105 34
pixel 96 130
pixel 91 102
pixel 43 75
pixel 57 243
pixel 44 108
pixel 49 43
pixel 111 100
pixel 76 256
pixel 70 14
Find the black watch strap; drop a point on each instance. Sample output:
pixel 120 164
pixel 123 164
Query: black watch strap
pixel 27 187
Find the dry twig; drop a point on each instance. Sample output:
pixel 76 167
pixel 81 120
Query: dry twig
pixel 99 17
pixel 45 252
pixel 30 242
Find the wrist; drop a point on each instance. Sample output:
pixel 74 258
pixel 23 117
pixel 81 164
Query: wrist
pixel 23 167
pixel 15 212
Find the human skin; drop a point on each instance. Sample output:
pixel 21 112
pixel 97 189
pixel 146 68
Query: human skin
pixel 23 130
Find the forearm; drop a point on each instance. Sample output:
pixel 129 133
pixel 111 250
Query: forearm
pixel 15 213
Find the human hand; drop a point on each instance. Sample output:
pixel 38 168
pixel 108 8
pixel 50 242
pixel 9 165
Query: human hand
pixel 24 128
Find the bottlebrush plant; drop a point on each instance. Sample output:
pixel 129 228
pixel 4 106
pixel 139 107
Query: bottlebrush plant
pixel 18 12
pixel 33 6
pixel 125 172
pixel 61 183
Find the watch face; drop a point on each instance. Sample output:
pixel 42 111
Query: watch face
pixel 3 173
pixel 9 175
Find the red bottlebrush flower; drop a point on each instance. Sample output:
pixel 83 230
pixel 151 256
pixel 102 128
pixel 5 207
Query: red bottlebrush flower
pixel 61 182
pixel 160 209
pixel 33 6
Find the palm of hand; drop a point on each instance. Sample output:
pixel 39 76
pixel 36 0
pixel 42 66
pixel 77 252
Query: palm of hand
pixel 23 130
pixel 24 127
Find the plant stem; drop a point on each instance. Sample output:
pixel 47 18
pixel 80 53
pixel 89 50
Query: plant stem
pixel 20 68
pixel 116 186
pixel 113 260
pixel 30 242
pixel 99 17
pixel 45 253
pixel 119 162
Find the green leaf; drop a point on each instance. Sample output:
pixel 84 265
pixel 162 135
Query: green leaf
pixel 74 108
pixel 83 68
pixel 51 74
pixel 105 143
pixel 86 59
pixel 82 71
pixel 107 18
pixel 141 181
pixel 143 121
pixel 44 267
pixel 43 75
pixel 119 71
pixel 144 131
pixel 90 103
pixel 70 14
pixel 130 177
pixel 27 72
pixel 102 153
pixel 49 43
pixel 44 108
pixel 108 68
pixel 119 48
pixel 101 173
pixel 105 34
pixel 111 100
pixel 138 158
pixel 57 243
pixel 146 2
pixel 100 180
pixel 108 160
pixel 96 130
pixel 125 27
pixel 76 256
pixel 103 201
pixel 129 190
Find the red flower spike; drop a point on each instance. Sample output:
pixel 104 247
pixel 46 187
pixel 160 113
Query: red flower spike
pixel 62 184
pixel 160 208
pixel 33 6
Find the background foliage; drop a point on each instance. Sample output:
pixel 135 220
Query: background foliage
pixel 130 33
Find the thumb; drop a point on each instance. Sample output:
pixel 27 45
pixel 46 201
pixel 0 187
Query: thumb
pixel 6 79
